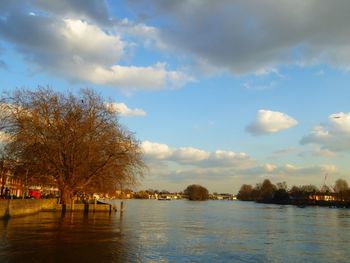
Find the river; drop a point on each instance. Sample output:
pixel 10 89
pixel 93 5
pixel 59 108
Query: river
pixel 181 231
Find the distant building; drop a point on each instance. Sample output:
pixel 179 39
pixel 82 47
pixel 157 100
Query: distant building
pixel 14 187
pixel 9 185
pixel 323 197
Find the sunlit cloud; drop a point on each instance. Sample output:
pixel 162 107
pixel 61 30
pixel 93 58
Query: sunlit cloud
pixel 270 122
pixel 61 43
pixel 196 157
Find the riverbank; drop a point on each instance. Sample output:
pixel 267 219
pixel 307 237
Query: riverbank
pixel 22 207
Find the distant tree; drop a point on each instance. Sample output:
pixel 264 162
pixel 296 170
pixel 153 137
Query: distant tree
pixel 141 195
pixel 257 186
pixel 281 196
pixel 342 189
pixel 282 185
pixel 245 193
pixel 74 142
pixel 308 189
pixel 295 192
pixel 267 191
pixel 150 191
pixel 340 186
pixel 301 194
pixel 196 192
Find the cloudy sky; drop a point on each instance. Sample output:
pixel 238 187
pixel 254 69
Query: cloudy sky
pixel 219 93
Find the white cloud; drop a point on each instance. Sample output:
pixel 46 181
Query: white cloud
pixel 95 59
pixel 189 155
pixel 124 110
pixel 270 122
pixel 196 157
pixel 156 150
pixel 269 167
pixel 131 78
pixel 64 46
pixel 101 49
pixel 334 135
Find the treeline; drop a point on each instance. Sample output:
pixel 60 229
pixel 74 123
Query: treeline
pixel 267 192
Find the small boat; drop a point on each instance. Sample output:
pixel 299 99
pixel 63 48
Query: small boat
pixel 164 198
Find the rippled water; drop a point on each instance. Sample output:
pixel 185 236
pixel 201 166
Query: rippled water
pixel 181 231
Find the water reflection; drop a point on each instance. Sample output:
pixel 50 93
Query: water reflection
pixel 180 231
pixel 70 237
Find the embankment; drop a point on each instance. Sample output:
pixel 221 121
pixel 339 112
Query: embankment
pixel 22 207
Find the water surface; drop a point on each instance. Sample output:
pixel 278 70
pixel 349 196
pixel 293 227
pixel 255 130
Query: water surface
pixel 181 231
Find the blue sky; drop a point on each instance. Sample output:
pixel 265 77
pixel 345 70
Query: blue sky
pixel 219 93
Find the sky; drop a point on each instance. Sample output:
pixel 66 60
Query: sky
pixel 219 93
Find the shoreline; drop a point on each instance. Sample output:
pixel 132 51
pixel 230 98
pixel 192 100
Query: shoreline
pixel 306 203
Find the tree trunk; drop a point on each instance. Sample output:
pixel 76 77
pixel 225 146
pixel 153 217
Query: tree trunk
pixel 66 195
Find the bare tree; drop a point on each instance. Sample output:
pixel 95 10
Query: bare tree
pixel 75 142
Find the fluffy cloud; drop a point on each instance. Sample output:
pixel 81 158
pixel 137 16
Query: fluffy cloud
pixel 270 122
pixel 189 155
pixel 67 42
pixel 124 110
pixel 156 151
pixel 334 135
pixel 255 36
pixel 196 157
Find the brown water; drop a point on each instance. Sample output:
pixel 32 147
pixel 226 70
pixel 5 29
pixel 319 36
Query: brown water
pixel 181 231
